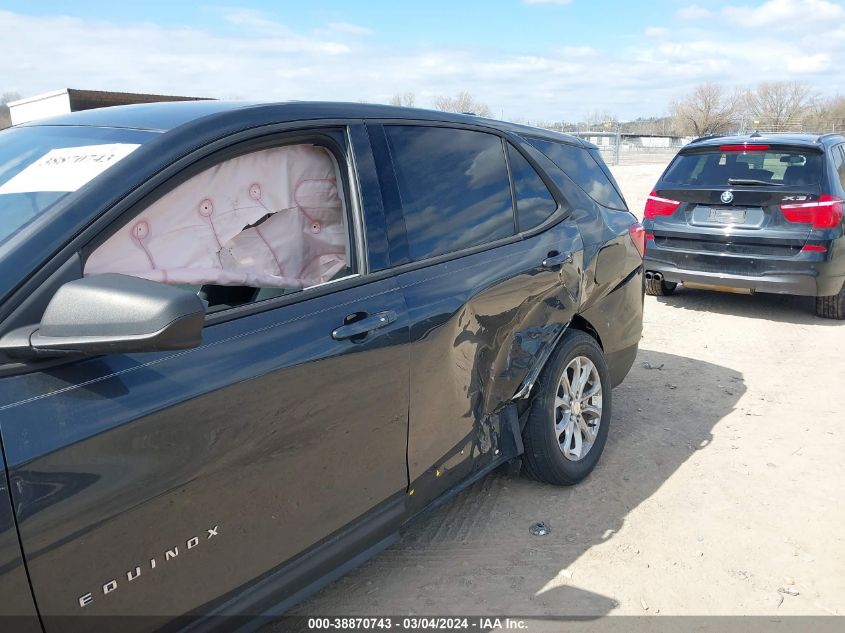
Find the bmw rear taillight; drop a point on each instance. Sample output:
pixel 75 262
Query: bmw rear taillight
pixel 637 233
pixel 825 213
pixel 655 205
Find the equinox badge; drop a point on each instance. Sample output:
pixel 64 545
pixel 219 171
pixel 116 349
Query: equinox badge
pixel 134 573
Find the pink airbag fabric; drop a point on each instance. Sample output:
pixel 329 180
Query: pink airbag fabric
pixel 197 233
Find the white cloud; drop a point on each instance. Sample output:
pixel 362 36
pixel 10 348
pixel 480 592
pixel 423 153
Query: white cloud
pixel 785 14
pixel 251 56
pixel 348 27
pixel 692 12
pixel 808 63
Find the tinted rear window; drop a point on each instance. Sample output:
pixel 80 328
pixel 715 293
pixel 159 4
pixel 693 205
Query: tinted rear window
pixel 839 163
pixel 581 166
pixel 534 202
pixel 716 168
pixel 454 187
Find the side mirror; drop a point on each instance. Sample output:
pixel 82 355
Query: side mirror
pixel 111 314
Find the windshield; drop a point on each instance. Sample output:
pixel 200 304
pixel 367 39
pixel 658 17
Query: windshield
pixel 719 168
pixel 40 165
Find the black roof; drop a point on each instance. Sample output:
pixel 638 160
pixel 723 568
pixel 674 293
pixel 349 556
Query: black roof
pixel 162 117
pixel 814 140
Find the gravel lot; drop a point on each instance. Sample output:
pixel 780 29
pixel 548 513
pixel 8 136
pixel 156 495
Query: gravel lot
pixel 720 490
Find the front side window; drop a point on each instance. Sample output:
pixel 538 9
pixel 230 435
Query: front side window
pixel 534 202
pixel 249 228
pixel 581 167
pixel 454 188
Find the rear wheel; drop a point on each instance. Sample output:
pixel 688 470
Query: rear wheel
pixel 659 288
pixel 832 307
pixel 570 416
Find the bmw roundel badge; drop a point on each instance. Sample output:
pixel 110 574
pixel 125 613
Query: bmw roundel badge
pixel 727 197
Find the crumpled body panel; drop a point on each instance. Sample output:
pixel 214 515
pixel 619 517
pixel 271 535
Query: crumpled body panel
pixel 272 218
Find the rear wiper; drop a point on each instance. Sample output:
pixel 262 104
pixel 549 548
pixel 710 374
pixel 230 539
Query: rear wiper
pixel 751 181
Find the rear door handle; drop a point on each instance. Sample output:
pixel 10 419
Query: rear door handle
pixel 368 324
pixel 556 259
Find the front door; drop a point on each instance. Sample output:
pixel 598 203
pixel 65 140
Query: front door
pixel 157 483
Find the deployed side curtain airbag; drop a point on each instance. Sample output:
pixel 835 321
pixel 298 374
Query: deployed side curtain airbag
pixel 272 218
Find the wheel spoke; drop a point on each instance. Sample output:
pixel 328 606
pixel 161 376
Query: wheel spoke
pixel 584 377
pixel 592 391
pixel 591 410
pixel 565 419
pixel 572 383
pixel 588 431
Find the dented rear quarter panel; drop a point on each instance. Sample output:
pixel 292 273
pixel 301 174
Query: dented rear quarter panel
pixel 477 325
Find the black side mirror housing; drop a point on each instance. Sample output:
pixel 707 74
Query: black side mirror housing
pixel 111 314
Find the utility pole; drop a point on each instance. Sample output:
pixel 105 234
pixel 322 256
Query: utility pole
pixel 618 143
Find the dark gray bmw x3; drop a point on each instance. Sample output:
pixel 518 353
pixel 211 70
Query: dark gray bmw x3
pixel 754 214
pixel 241 345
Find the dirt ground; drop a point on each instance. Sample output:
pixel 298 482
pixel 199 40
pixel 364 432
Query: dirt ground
pixel 720 490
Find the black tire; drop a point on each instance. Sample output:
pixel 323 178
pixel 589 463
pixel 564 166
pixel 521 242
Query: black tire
pixel 832 307
pixel 544 459
pixel 659 288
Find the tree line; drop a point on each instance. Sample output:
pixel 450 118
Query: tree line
pixel 709 108
pixel 771 106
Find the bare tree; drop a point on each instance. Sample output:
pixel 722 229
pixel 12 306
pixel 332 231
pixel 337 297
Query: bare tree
pixel 708 109
pixel 462 102
pixel 406 99
pixel 599 120
pixel 779 105
pixel 824 115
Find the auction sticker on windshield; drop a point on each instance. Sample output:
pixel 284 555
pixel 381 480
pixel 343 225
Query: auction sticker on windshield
pixel 67 168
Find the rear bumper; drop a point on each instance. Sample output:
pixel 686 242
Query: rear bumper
pixel 798 284
pixel 811 275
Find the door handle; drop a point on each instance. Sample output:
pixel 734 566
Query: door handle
pixel 556 259
pixel 368 324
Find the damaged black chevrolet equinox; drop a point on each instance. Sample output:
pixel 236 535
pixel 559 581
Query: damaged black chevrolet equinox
pixel 241 345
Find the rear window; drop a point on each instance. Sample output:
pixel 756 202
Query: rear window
pixel 723 169
pixel 534 202
pixel 454 187
pixel 581 166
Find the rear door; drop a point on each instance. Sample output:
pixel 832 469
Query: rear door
pixel 738 199
pixel 155 484
pixel 486 289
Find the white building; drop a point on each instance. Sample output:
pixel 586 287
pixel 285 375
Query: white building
pixel 72 100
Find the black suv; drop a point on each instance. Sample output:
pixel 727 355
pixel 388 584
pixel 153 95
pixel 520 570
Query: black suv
pixel 242 344
pixel 751 214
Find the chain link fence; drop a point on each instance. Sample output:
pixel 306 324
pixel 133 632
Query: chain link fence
pixel 619 148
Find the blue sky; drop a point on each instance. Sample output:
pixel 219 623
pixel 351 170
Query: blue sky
pixel 528 59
